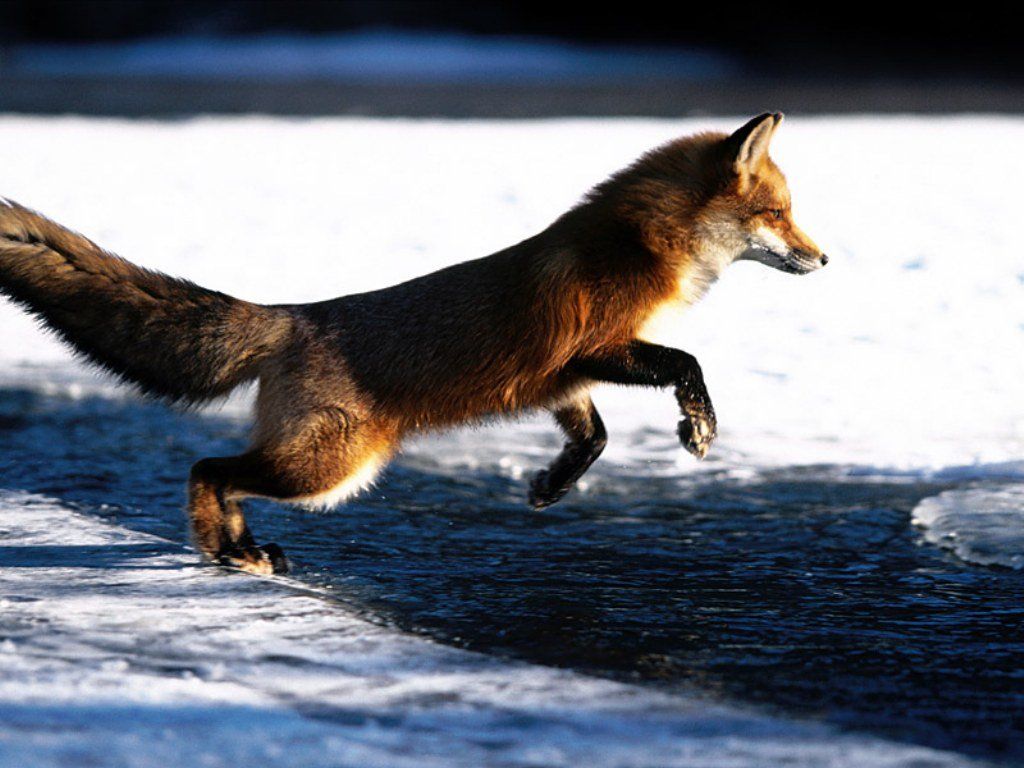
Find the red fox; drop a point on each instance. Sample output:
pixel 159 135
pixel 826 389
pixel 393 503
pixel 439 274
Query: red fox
pixel 343 381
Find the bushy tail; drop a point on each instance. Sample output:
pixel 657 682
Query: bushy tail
pixel 170 338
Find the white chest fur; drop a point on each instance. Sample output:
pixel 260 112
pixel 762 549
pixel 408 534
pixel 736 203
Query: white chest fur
pixel 664 322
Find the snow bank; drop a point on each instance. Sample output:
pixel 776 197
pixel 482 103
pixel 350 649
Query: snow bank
pixel 979 525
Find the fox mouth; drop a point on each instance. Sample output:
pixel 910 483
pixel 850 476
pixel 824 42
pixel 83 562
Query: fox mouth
pixel 799 265
pixel 790 262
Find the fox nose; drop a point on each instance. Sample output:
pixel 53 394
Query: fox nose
pixel 824 259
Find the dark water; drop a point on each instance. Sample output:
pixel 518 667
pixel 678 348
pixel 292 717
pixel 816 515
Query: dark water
pixel 797 591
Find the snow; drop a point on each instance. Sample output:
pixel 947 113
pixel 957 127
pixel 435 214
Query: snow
pixel 122 649
pixel 980 525
pixel 899 360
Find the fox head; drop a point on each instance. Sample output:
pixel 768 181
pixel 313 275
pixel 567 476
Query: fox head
pixel 749 215
pixel 702 202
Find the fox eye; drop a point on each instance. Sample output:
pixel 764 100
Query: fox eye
pixel 775 212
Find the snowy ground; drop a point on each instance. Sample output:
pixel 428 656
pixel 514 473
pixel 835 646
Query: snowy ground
pixel 899 362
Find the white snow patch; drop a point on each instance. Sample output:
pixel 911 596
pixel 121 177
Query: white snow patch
pixel 979 525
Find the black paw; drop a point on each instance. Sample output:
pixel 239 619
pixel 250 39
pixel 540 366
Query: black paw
pixel 542 494
pixel 698 430
pixel 277 558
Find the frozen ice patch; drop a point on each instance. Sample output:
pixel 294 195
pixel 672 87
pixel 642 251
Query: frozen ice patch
pixel 979 525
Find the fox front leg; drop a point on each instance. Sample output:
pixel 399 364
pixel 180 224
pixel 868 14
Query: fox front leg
pixel 643 364
pixel 585 440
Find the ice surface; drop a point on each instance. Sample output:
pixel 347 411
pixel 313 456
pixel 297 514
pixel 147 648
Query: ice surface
pixel 120 648
pixel 981 525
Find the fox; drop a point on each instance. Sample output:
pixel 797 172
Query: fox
pixel 342 382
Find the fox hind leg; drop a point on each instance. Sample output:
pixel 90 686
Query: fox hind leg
pixel 586 439
pixel 327 456
pixel 217 521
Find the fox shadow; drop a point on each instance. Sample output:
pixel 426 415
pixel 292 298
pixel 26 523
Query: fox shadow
pixel 791 590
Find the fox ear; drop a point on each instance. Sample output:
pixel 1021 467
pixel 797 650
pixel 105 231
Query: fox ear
pixel 748 146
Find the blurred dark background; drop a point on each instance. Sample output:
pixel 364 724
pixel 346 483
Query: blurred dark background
pixel 497 59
